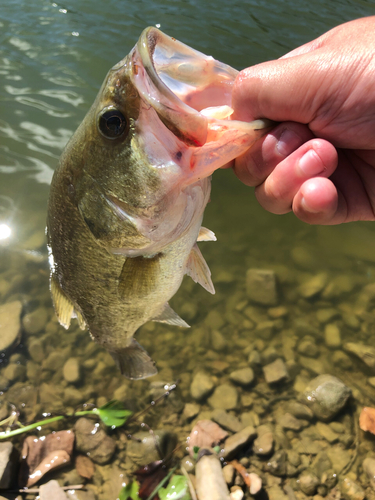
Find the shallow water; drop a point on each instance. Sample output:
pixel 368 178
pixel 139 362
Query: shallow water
pixel 53 58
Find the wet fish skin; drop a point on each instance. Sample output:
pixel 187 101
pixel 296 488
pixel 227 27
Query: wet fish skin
pixel 125 212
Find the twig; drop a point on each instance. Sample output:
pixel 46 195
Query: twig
pixel 36 490
pixel 242 470
pixel 190 484
pixel 162 483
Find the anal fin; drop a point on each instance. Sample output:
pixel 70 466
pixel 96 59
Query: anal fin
pixel 63 306
pixel 206 235
pixel 134 362
pixel 169 316
pixel 198 269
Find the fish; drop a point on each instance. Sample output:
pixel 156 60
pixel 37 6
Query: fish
pixel 127 198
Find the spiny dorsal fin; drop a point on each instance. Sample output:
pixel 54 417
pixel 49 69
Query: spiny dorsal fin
pixel 63 306
pixel 81 321
pixel 139 276
pixel 198 269
pixel 169 316
pixel 134 362
pixel 206 235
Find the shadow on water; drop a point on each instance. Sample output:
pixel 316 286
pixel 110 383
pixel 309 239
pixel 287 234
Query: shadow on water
pixel 319 320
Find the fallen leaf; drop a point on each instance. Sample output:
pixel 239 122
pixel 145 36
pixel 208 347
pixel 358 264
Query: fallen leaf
pixel 367 419
pixel 149 477
pixel 40 455
pixel 206 434
pixel 84 466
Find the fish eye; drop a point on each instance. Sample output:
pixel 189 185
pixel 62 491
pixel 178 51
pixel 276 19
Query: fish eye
pixel 112 123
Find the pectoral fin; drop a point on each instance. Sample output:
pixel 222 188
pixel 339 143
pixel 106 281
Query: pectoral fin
pixel 206 235
pixel 134 362
pixel 139 277
pixel 198 269
pixel 169 316
pixel 64 308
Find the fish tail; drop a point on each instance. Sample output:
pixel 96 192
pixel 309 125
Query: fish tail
pixel 134 361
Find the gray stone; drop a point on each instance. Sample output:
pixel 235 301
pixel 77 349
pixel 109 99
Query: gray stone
pixel 313 286
pixel 275 372
pixel 10 324
pixel 226 420
pixel 7 464
pixel 369 468
pixel 261 286
pixel 290 422
pixel 35 321
pixel 332 336
pixel 365 353
pixel 201 386
pixel 237 441
pixel 191 410
pixel 277 464
pixel 225 397
pixel 300 411
pixel 92 440
pixel 264 443
pixel 326 395
pixel 351 490
pixel 243 376
pixel 72 371
pixel 308 482
pixel 52 490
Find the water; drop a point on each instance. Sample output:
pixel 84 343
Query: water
pixel 53 58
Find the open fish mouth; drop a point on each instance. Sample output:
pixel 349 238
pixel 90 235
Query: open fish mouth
pixel 184 86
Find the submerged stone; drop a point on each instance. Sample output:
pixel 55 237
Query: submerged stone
pixel 201 386
pixel 261 286
pixel 225 397
pixel 10 324
pixel 275 372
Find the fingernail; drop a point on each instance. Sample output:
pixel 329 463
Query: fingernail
pixel 289 141
pixel 306 207
pixel 310 164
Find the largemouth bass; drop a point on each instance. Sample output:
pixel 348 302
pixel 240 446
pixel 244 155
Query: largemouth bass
pixel 127 199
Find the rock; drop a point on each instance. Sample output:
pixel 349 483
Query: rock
pixel 277 464
pixel 307 447
pixel 52 490
pixel 142 450
pixel 261 286
pixel 365 353
pixel 313 365
pixel 214 320
pixel 54 361
pixel 293 458
pixel 8 464
pixel 326 315
pixel 308 482
pixel 300 411
pixel 265 329
pixel 82 494
pixel 10 324
pixel 369 468
pixel 276 493
pixel 332 336
pixel 326 395
pixel 275 372
pixel 35 321
pixel 228 473
pixel 308 347
pixel 342 360
pixel 73 397
pixel 72 371
pixel 263 445
pixel 244 376
pixel 188 464
pixel 254 359
pixel 313 286
pixel 255 483
pixel 15 372
pixel 201 386
pixel 191 410
pixel 326 432
pixel 205 434
pixel 290 422
pixel 92 440
pixel 237 441
pixel 36 350
pixel 339 457
pixel 226 420
pixel 218 341
pixel 351 490
pixel 304 258
pixel 225 397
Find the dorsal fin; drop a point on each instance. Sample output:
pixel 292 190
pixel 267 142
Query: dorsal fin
pixel 169 316
pixel 206 235
pixel 198 269
pixel 63 306
pixel 81 321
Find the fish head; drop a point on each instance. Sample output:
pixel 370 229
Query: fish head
pixel 145 151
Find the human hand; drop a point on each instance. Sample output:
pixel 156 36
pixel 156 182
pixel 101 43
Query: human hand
pixel 320 160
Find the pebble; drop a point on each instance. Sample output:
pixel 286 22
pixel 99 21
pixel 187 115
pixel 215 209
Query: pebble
pixel 237 441
pixel 261 286
pixel 10 324
pixel 201 386
pixel 93 441
pixel 313 286
pixel 224 397
pixel 143 450
pixel 51 490
pixel 290 422
pixel 228 473
pixel 277 464
pixel 73 397
pixel 226 420
pixel 365 353
pixel 308 482
pixel 36 350
pixel 264 443
pixel 35 321
pixel 276 493
pixel 326 432
pixel 275 372
pixel 218 341
pixel 369 468
pixel 243 376
pixel 7 464
pixel 351 490
pixel 326 395
pixel 313 365
pixel 214 320
pixel 191 410
pixel 188 463
pixel 255 483
pixel 14 372
pixel 300 411
pixel 55 361
pixel 326 315
pixel 308 347
pixel 332 336
pixel 342 360
pixel 307 446
pixel 72 371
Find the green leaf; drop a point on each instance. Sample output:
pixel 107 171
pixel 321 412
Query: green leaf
pixel 129 491
pixel 113 414
pixel 177 489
